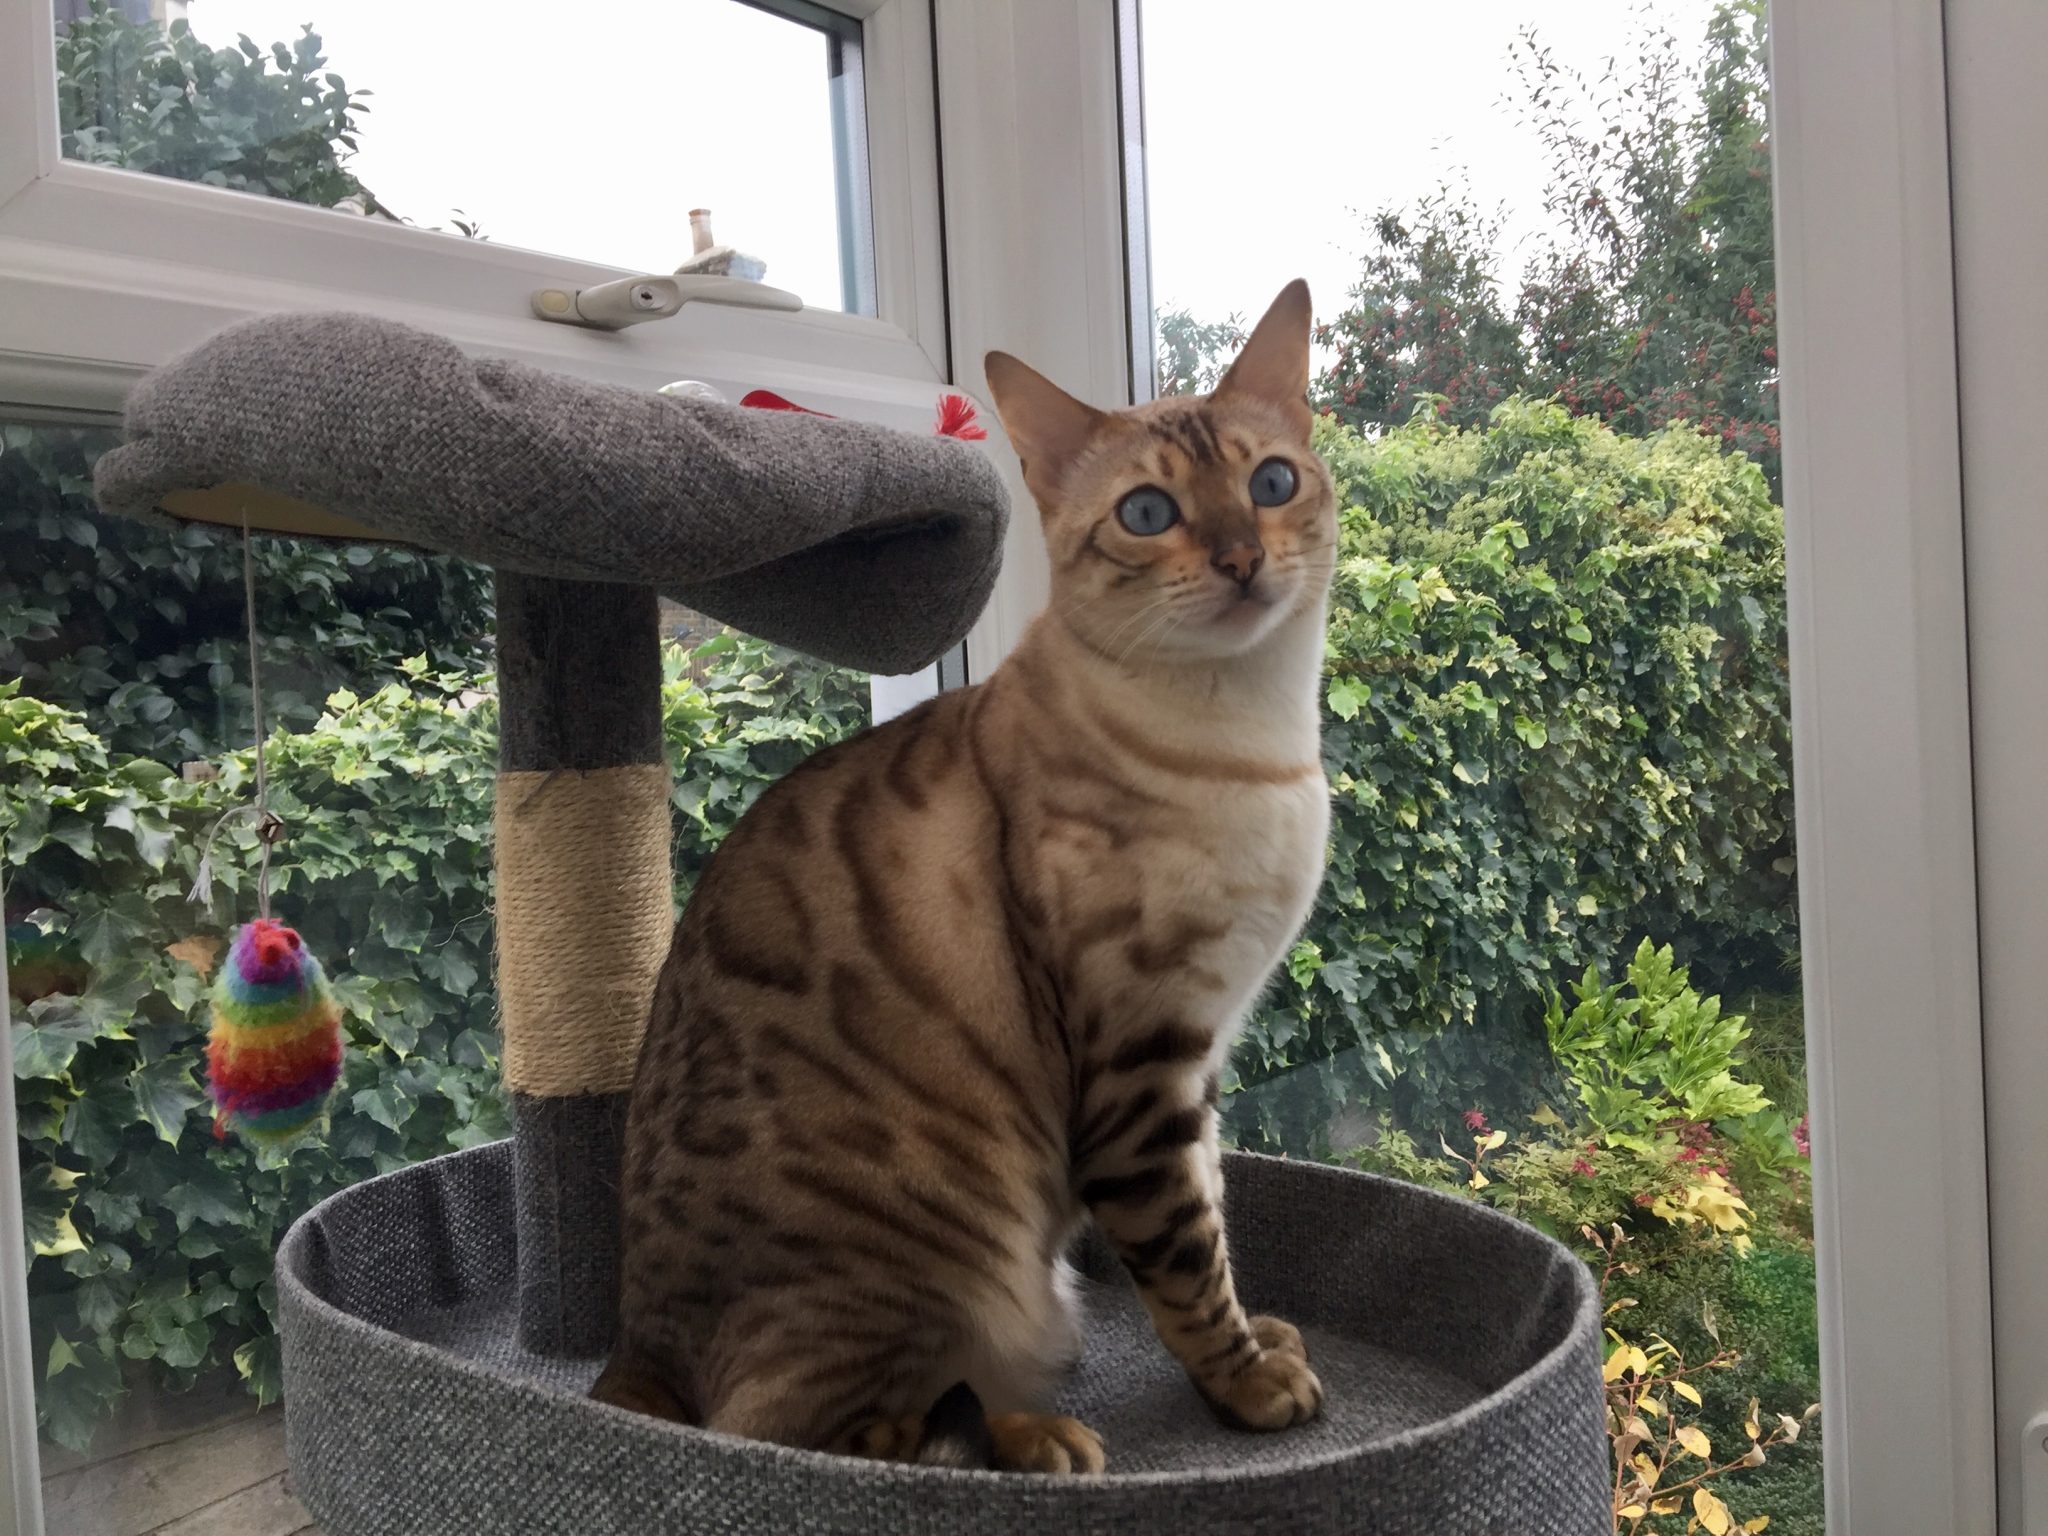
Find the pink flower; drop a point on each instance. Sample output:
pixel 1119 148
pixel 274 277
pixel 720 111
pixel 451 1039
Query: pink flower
pixel 1475 1121
pixel 1582 1168
pixel 1802 1138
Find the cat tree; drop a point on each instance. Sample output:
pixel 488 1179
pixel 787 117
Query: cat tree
pixel 441 1324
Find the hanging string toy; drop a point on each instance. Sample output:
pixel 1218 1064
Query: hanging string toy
pixel 273 1054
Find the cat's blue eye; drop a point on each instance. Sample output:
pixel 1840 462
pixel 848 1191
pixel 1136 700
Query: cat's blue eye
pixel 1273 483
pixel 1147 510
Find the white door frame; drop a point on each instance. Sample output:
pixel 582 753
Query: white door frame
pixel 1998 119
pixel 106 273
pixel 1881 698
pixel 1034 231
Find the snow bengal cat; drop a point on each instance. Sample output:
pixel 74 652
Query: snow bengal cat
pixel 966 980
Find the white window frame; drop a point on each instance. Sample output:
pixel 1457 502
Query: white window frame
pixel 106 273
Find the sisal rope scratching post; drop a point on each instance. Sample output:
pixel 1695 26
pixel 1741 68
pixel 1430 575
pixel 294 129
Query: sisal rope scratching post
pixel 864 546
pixel 584 906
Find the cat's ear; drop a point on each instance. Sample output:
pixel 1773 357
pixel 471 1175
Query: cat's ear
pixel 1273 366
pixel 1047 426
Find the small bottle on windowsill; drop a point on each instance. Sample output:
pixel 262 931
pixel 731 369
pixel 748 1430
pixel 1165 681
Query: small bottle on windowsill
pixel 708 259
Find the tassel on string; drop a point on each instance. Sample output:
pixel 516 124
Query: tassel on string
pixel 958 415
pixel 274 1050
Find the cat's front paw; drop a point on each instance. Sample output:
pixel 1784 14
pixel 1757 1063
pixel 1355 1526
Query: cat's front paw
pixel 1276 1389
pixel 1045 1442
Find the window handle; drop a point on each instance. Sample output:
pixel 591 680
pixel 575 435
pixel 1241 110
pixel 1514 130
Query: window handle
pixel 635 300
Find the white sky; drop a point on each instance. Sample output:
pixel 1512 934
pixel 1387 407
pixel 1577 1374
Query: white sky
pixel 588 130
pixel 1274 130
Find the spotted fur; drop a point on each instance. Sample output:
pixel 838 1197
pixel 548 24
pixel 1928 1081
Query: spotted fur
pixel 967 980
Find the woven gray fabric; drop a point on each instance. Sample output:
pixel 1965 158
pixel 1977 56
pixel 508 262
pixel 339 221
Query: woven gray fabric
pixel 868 547
pixel 566 1155
pixel 579 675
pixel 1461 1352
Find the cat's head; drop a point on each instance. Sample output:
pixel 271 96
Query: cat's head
pixel 1193 527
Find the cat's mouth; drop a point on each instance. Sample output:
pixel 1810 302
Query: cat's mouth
pixel 1242 617
pixel 1245 604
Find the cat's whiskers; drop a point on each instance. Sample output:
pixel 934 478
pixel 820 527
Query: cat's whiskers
pixel 1158 602
pixel 1171 617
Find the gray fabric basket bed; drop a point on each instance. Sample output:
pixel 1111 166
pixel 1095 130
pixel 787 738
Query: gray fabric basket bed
pixel 1460 1352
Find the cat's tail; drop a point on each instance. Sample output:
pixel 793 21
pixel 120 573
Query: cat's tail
pixel 956 1432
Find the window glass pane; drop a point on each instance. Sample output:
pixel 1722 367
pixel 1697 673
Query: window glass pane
pixel 124 735
pixel 1556 700
pixel 589 135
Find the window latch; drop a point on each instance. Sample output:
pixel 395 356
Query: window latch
pixel 635 300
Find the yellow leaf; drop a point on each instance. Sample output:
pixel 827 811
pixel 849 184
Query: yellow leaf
pixel 67 1239
pixel 1669 1506
pixel 1710 1512
pixel 1631 1511
pixel 1478 1180
pixel 1694 1439
pixel 1666 1211
pixel 1646 1469
pixel 1712 1201
pixel 1543 1114
pixel 1749 1428
pixel 62 1356
pixel 1616 1363
pixel 1757 1524
pixel 1650 1405
pixel 1637 1427
pixel 1688 1391
pixel 1638 1361
pixel 1495 1140
pixel 198 951
pixel 1754 1456
pixel 1788 1426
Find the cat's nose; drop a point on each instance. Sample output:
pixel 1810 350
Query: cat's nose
pixel 1240 562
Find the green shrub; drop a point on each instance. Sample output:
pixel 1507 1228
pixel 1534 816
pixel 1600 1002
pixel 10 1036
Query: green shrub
pixel 1650 1050
pixel 1713 1361
pixel 1761 1305
pixel 273 121
pixel 151 1240
pixel 1657 1125
pixel 1556 717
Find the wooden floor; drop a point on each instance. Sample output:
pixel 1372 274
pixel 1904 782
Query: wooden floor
pixel 211 1467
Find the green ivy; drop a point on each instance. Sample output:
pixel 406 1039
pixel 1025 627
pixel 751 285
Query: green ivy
pixel 142 628
pixel 1555 717
pixel 272 121
pixel 151 1241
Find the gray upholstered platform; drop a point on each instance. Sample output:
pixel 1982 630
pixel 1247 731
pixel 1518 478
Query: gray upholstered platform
pixel 1460 1353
